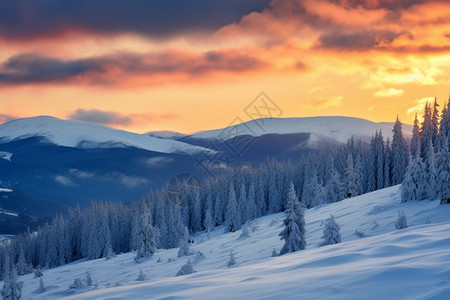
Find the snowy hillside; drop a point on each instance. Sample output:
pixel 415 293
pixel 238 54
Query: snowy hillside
pixel 412 263
pixel 339 129
pixel 72 133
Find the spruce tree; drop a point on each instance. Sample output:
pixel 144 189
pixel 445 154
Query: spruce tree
pixel 12 288
pixel 335 189
pixel 231 261
pixel 400 153
pixel 351 187
pixel 443 175
pixel 429 182
pixel 413 184
pixel 293 233
pixel 232 216
pixel 415 140
pixel 146 245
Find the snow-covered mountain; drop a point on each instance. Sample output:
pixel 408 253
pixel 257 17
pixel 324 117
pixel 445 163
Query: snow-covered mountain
pixel 386 263
pixel 338 129
pixel 80 134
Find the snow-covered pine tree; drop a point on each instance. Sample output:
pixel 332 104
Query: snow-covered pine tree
pixel 380 150
pixel 232 216
pixel 22 266
pixel 387 164
pixel 435 121
pixel 334 188
pixel 146 245
pixel 251 210
pixel 443 175
pixel 401 222
pixel 426 131
pixel 184 244
pixel 12 288
pixel 231 261
pixel 208 222
pixel 245 231
pixel 415 140
pixel 361 179
pixel 429 183
pixel 412 185
pixel 400 153
pixel 331 232
pixel 351 187
pixel 274 253
pixel 293 233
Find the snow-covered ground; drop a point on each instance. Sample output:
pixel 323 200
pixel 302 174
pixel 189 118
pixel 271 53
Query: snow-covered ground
pixel 72 133
pixel 412 263
pixel 336 128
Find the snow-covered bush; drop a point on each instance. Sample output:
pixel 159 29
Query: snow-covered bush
pixel 231 261
pixel 186 269
pixel 141 276
pixel 331 234
pixel 401 222
pixel 41 288
pixel 359 234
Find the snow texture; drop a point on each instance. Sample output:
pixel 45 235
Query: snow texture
pixel 412 263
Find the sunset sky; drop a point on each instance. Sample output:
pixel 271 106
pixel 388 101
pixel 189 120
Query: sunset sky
pixel 193 65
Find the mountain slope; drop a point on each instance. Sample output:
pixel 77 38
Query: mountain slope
pixel 70 133
pixel 408 264
pixel 339 129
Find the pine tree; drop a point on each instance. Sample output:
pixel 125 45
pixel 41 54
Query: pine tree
pixel 415 140
pixel 351 187
pixel 294 231
pixel 387 164
pixel 146 245
pixel 434 122
pixel 331 232
pixel 335 189
pixel 412 185
pixel 443 175
pixel 184 244
pixel 251 209
pixel 12 289
pixel 380 150
pixel 208 222
pixel 429 182
pixel 274 253
pixel 400 153
pixel 232 216
pixel 426 131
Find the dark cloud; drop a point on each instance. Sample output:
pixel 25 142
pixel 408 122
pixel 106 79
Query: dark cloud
pixel 117 118
pixel 22 19
pixel 359 41
pixel 34 68
pixel 100 117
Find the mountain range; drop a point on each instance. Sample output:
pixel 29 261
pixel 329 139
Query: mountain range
pixel 51 164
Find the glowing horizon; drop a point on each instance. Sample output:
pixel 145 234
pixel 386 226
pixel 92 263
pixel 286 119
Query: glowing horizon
pixel 190 67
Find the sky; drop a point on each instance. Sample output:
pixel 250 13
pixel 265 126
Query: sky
pixel 146 65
